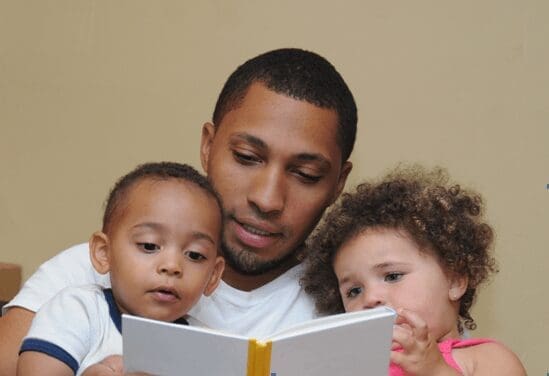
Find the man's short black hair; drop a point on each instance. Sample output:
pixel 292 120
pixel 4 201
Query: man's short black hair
pixel 299 74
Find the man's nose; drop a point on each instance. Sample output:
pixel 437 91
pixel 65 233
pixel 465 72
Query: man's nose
pixel 268 191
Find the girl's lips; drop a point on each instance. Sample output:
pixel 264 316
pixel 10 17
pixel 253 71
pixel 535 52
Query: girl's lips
pixel 255 238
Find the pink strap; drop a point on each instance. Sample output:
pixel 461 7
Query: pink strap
pixel 446 348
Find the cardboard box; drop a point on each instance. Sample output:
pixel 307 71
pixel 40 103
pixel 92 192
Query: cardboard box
pixel 10 281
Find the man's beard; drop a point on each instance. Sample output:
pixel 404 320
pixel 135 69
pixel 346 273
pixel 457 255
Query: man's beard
pixel 246 262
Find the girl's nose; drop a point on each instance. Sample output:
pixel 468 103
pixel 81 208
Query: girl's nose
pixel 373 299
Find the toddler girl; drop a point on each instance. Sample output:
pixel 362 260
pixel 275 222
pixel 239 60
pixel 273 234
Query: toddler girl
pixel 417 244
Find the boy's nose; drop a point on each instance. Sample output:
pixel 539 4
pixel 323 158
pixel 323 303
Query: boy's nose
pixel 170 266
pixel 170 270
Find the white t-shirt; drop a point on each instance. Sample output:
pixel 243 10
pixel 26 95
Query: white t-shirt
pixel 277 305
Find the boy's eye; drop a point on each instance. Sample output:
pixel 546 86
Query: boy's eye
pixel 148 247
pixel 353 292
pixel 393 277
pixel 195 256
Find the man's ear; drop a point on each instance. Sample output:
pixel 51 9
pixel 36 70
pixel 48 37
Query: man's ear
pixel 345 171
pixel 208 134
pixel 458 286
pixel 215 277
pixel 99 252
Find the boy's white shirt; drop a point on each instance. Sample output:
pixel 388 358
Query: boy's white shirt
pixel 78 322
pixel 277 305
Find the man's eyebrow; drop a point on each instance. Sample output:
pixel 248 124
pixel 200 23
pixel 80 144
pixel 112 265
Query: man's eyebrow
pixel 323 162
pixel 301 157
pixel 255 141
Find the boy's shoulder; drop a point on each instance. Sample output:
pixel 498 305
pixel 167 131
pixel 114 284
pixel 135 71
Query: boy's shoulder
pixel 84 298
pixel 88 291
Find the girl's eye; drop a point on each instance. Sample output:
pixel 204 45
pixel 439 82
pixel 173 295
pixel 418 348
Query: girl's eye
pixel 393 277
pixel 195 256
pixel 148 247
pixel 353 292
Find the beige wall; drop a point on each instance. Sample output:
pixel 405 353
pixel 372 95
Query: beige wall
pixel 88 89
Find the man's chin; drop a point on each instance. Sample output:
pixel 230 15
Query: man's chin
pixel 247 263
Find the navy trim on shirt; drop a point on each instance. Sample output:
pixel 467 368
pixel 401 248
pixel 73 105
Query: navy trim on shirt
pixel 48 348
pixel 116 316
pixel 181 321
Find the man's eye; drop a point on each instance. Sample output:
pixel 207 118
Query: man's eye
pixel 148 247
pixel 195 256
pixel 353 292
pixel 393 277
pixel 308 178
pixel 245 158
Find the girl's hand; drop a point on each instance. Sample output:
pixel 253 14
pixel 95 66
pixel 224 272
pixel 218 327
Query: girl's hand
pixel 420 354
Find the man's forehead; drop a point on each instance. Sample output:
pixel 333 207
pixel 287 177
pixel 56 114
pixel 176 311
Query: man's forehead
pixel 258 91
pixel 265 116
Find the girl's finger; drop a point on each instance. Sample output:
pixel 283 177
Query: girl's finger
pixel 418 325
pixel 403 337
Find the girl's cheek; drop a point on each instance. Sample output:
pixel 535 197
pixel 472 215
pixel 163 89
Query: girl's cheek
pixel 352 307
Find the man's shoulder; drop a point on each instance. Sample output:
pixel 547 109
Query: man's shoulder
pixel 78 254
pixel 71 267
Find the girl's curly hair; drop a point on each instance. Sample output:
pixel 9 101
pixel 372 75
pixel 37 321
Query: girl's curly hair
pixel 439 216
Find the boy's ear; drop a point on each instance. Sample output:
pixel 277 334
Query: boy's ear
pixel 458 286
pixel 99 252
pixel 215 277
pixel 208 133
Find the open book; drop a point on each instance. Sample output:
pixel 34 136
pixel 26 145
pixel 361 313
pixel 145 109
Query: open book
pixel 355 343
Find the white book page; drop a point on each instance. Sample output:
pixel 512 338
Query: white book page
pixel 359 348
pixel 160 348
pixel 332 321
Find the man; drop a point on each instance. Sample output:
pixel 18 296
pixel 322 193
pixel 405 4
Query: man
pixel 277 152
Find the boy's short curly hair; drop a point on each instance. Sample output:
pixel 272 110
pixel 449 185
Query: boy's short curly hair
pixel 439 216
pixel 155 171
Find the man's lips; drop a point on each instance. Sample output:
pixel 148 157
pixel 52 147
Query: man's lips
pixel 256 235
pixel 256 231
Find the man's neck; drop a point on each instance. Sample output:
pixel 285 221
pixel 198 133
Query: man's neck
pixel 251 282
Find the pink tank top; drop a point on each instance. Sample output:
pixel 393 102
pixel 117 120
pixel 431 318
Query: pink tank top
pixel 446 348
